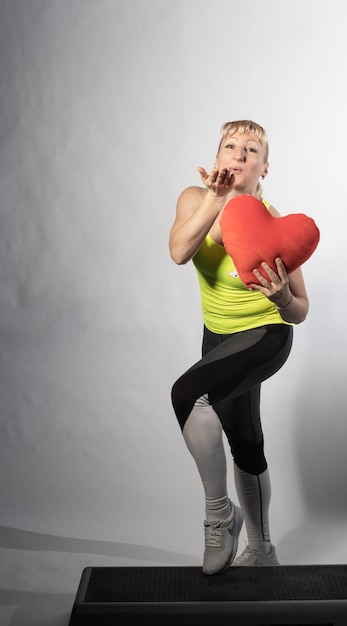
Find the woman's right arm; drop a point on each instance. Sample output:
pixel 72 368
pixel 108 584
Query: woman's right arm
pixel 196 211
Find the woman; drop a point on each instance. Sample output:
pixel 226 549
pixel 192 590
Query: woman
pixel 247 338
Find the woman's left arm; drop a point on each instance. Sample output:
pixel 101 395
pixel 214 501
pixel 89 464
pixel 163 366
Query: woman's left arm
pixel 287 292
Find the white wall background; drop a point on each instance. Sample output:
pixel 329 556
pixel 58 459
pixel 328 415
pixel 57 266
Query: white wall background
pixel 107 108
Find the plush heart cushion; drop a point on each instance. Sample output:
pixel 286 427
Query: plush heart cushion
pixel 251 235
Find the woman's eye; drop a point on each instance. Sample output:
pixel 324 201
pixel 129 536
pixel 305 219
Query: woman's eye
pixel 251 149
pixel 230 145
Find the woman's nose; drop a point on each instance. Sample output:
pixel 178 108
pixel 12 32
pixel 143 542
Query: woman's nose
pixel 240 155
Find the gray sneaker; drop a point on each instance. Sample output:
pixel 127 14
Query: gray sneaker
pixel 252 558
pixel 221 541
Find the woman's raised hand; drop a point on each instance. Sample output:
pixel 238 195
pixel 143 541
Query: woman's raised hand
pixel 219 181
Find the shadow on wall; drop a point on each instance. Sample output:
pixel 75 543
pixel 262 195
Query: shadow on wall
pixel 321 456
pixel 12 538
pixel 40 573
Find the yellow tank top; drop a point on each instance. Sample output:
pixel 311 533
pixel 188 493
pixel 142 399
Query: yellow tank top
pixel 228 306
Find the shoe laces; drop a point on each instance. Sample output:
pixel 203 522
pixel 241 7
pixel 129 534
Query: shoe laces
pixel 250 553
pixel 214 534
pixel 245 554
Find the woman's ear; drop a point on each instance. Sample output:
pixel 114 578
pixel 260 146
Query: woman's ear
pixel 265 171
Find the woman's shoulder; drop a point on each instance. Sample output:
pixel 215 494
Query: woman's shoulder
pixel 193 191
pixel 272 210
pixel 191 197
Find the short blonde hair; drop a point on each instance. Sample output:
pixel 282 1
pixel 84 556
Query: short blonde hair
pixel 247 126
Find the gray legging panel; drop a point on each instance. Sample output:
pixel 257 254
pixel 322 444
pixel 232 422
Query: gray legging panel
pixel 230 372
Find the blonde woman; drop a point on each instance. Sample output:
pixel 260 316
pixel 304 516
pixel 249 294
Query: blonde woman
pixel 247 338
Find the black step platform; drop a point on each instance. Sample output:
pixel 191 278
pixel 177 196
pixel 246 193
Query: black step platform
pixel 184 596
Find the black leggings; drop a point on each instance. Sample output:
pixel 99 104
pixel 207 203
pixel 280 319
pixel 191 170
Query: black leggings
pixel 231 372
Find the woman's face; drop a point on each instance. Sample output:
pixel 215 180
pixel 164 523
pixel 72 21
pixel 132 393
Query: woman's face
pixel 243 156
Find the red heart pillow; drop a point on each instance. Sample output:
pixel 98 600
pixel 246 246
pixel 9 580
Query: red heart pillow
pixel 251 235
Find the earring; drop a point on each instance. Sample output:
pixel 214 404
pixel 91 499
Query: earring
pixel 263 176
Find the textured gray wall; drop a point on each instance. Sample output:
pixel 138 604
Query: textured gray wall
pixel 107 108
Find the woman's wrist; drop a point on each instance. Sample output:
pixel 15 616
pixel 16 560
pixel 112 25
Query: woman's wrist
pixel 214 197
pixel 280 308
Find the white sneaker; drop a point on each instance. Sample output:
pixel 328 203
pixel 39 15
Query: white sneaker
pixel 221 541
pixel 252 558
